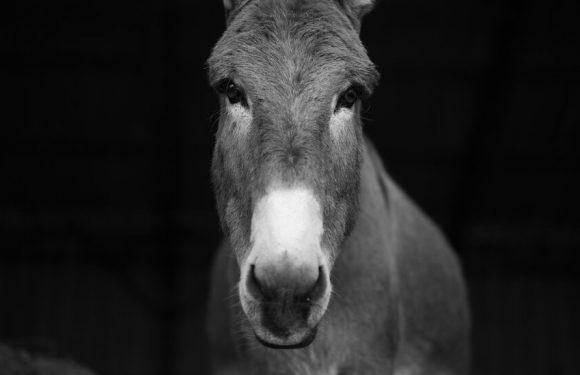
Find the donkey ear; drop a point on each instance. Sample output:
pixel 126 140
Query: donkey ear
pixel 230 6
pixel 357 8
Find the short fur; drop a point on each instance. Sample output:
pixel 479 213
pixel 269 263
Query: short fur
pixel 400 303
pixel 288 55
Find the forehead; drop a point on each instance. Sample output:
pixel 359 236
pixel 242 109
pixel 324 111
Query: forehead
pixel 277 45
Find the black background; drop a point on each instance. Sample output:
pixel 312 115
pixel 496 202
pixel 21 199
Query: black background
pixel 107 217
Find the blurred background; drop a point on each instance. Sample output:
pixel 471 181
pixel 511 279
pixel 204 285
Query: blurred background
pixel 107 217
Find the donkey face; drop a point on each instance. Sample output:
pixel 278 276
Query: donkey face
pixel 287 153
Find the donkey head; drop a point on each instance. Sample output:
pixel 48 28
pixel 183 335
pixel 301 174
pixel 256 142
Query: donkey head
pixel 290 74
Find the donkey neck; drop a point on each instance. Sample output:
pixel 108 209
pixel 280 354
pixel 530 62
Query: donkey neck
pixel 365 267
pixel 364 275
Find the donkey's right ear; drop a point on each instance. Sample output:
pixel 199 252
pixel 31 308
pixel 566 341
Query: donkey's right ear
pixel 360 7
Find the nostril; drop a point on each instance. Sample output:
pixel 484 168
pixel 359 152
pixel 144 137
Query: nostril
pixel 252 284
pixel 316 292
pixel 267 285
pixel 257 289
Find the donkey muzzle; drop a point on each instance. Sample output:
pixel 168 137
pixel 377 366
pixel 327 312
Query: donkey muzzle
pixel 285 286
pixel 288 299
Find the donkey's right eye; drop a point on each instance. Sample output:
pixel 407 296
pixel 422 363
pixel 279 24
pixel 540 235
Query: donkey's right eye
pixel 233 92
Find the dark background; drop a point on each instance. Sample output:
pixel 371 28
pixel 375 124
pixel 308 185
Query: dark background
pixel 106 212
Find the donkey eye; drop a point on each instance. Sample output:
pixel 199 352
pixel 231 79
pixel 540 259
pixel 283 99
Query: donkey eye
pixel 347 98
pixel 232 91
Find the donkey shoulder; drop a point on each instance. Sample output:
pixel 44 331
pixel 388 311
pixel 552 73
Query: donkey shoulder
pixel 431 291
pixel 224 357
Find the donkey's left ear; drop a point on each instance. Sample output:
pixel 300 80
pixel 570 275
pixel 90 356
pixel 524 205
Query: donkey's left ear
pixel 231 6
pixel 356 9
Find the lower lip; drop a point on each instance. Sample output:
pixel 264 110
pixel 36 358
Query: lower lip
pixel 304 343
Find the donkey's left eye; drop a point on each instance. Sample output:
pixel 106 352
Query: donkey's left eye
pixel 347 99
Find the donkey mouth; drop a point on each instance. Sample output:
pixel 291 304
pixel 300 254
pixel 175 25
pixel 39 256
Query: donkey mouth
pixel 284 324
pixel 294 341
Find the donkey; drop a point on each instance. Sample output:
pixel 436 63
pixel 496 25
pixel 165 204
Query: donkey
pixel 327 266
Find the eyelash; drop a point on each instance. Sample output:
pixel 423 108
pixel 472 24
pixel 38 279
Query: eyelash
pixel 348 98
pixel 233 92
